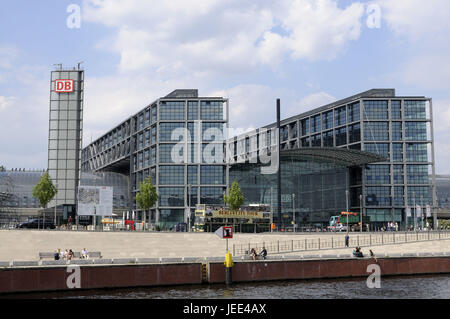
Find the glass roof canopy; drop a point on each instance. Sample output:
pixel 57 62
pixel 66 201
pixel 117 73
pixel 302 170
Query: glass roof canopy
pixel 347 157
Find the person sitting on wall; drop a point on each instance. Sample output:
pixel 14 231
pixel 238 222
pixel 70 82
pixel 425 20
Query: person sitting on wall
pixel 253 254
pixel 372 255
pixel 357 252
pixel 84 254
pixel 70 255
pixel 57 254
pixel 263 253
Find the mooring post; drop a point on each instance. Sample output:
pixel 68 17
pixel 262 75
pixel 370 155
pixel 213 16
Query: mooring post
pixel 228 268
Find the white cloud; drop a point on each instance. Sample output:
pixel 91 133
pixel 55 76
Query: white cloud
pixel 316 29
pixel 6 102
pixel 310 102
pixel 225 36
pixel 416 19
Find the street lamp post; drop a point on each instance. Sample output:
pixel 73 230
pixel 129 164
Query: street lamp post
pixel 271 209
pixel 346 205
pixel 415 211
pixel 56 203
pixel 360 213
pixel 421 209
pixel 189 216
pixel 293 210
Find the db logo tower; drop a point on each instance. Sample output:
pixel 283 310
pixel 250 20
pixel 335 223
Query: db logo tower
pixel 64 86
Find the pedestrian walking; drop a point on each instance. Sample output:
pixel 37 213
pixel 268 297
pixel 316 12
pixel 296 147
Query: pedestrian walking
pixel 347 238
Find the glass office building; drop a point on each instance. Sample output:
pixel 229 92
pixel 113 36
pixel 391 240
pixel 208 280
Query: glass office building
pixel 398 130
pixel 179 142
pixel 374 146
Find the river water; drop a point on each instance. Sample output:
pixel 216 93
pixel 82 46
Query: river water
pixel 424 287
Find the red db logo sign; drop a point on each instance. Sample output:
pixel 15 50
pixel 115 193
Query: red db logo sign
pixel 63 86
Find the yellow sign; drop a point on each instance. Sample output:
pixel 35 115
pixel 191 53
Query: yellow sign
pixel 237 214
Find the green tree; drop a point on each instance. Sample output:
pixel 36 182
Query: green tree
pixel 44 191
pixel 236 198
pixel 147 196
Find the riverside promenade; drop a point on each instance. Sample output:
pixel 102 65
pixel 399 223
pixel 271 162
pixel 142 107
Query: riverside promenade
pixel 25 245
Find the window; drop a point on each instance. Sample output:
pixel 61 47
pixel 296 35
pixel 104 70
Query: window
pixel 305 142
pixel 375 110
pixel 353 112
pixel 293 130
pixel 378 196
pixel 420 195
pixel 171 175
pixel 398 196
pixel 397 152
pixel 165 153
pixel 397 132
pixel 316 141
pixel 376 131
pixel 328 139
pixel 315 124
pixel 378 148
pixel 415 110
pixel 354 133
pixel 398 174
pixel 305 127
pixel 340 116
pixel 172 110
pixel 327 120
pixel 417 174
pixel 211 195
pixel 341 136
pixel 284 133
pixel 211 110
pixel 192 175
pixel 396 111
pixel 171 196
pixel 192 110
pixel 212 175
pixel 378 174
pixel 212 131
pixel 416 153
pixel 166 129
pixel 416 131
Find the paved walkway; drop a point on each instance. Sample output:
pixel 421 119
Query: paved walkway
pixel 26 244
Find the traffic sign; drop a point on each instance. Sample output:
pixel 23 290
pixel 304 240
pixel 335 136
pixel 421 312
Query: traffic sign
pixel 225 232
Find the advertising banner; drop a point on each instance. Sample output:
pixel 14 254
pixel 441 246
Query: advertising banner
pixel 95 200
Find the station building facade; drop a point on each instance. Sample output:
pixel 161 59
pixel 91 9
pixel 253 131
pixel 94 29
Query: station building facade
pixel 398 130
pixel 375 147
pixel 179 142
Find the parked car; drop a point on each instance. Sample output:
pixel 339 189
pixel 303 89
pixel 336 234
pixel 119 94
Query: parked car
pixel 37 223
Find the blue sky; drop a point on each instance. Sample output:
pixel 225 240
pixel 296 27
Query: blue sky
pixel 306 52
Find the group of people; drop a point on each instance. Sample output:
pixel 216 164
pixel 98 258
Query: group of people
pixel 358 252
pixel 68 254
pixel 255 255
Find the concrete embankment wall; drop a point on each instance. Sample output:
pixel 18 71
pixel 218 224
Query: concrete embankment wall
pixel 55 278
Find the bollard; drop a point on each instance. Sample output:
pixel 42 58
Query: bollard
pixel 228 266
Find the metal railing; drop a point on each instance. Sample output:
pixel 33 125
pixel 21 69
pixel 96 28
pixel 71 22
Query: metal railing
pixel 337 242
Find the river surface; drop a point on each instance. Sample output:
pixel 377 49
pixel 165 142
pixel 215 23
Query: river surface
pixel 424 287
